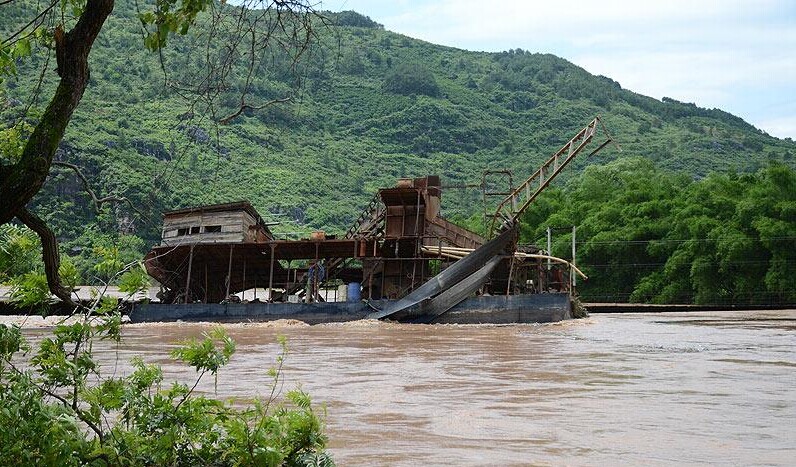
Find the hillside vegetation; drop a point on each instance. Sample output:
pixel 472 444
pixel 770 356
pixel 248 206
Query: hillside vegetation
pixel 368 106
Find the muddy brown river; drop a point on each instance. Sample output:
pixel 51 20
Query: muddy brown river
pixel 632 389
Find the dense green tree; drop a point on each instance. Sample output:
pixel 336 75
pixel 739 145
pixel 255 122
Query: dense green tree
pixel 134 137
pixel 647 235
pixel 352 18
pixel 411 78
pixel 54 413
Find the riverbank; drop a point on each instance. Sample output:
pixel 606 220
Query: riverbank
pixel 675 308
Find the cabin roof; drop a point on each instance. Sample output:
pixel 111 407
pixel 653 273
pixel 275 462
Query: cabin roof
pixel 221 207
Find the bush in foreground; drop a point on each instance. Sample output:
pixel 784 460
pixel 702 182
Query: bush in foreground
pixel 56 409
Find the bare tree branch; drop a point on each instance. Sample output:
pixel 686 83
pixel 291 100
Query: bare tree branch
pixel 98 202
pixel 21 181
pixel 243 107
pixel 256 32
pixel 11 39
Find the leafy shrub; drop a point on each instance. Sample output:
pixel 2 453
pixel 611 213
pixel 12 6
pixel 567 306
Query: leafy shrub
pixel 52 414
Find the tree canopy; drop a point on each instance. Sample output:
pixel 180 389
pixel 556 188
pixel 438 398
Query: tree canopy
pixel 652 236
pixel 411 78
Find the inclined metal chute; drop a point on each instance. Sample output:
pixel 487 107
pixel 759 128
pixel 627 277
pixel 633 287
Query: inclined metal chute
pixel 448 299
pixel 454 274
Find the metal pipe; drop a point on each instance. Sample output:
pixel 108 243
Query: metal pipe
pixel 417 239
pixel 447 253
pixel 511 270
pixel 417 214
pixel 370 281
pixel 549 244
pixel 188 279
pixel 229 271
pixel 271 274
pixel 383 273
pixel 573 280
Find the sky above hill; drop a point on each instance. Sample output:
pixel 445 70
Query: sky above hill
pixel 736 55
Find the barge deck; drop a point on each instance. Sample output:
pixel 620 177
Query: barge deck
pixel 494 309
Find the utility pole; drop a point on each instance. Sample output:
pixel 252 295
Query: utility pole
pixel 571 270
pixel 549 245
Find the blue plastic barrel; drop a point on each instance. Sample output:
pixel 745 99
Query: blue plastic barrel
pixel 354 292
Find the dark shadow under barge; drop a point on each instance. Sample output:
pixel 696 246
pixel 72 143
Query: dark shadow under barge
pixel 495 309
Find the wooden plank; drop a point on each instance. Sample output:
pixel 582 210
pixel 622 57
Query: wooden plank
pixel 215 237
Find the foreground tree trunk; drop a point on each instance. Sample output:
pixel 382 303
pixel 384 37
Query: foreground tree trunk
pixel 21 181
pixel 50 254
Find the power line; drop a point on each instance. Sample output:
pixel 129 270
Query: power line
pixel 685 263
pixel 609 242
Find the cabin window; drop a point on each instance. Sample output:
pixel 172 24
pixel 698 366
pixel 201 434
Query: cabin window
pixel 188 231
pixel 212 228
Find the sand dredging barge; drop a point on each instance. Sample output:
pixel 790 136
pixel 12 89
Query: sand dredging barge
pixel 400 260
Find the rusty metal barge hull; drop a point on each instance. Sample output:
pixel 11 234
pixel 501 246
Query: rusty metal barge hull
pixel 496 309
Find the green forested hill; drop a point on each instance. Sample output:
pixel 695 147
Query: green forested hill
pixel 369 106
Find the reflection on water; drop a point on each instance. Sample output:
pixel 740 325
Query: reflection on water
pixel 630 389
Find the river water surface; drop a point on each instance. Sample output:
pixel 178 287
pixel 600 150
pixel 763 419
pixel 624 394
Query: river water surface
pixel 638 389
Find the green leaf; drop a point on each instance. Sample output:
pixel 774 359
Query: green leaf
pixel 22 48
pixel 205 355
pixel 135 280
pixel 11 341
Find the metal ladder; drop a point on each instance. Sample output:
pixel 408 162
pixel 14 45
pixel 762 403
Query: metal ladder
pixel 369 224
pixel 368 220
